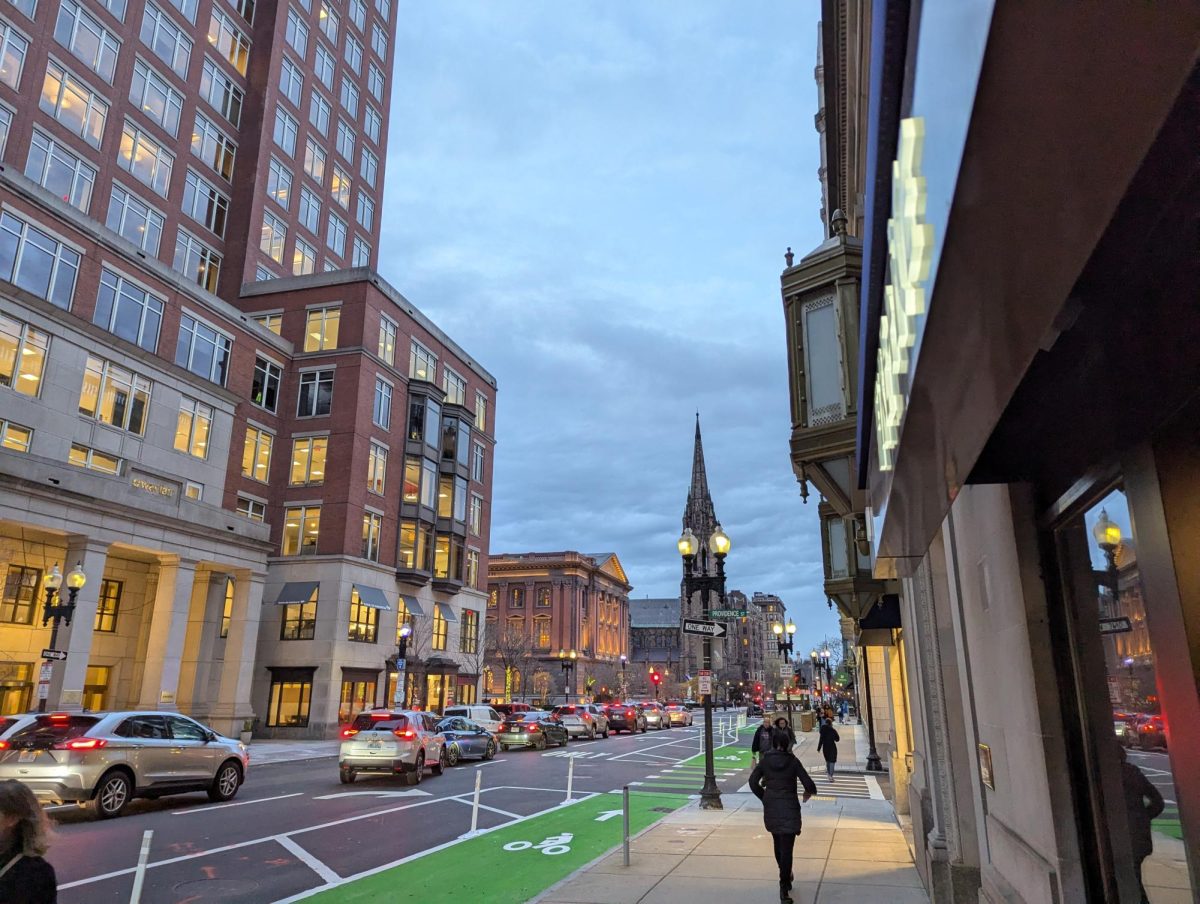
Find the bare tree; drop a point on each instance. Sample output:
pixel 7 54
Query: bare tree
pixel 509 647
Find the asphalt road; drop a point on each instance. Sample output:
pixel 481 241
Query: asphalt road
pixel 295 827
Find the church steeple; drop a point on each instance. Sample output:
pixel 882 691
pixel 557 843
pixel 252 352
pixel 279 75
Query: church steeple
pixel 699 514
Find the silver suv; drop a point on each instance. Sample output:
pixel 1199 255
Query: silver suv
pixel 103 760
pixel 395 742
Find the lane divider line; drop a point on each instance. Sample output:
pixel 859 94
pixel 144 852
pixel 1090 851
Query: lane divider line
pixel 486 807
pixel 328 876
pixel 236 803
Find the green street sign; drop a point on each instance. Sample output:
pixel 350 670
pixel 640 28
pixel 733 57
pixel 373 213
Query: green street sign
pixel 728 613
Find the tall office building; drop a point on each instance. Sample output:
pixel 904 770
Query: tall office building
pixel 264 458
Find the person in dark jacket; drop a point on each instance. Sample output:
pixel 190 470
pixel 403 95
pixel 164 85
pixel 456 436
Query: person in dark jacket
pixel 1143 803
pixel 827 746
pixel 25 878
pixel 773 781
pixel 762 739
pixel 783 725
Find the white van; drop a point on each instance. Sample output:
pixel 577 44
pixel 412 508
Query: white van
pixel 484 716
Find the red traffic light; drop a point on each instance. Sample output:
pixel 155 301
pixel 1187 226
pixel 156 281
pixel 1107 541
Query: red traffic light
pixel 656 677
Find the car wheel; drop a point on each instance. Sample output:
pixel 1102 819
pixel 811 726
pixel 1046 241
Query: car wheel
pixel 112 794
pixel 604 734
pixel 440 766
pixel 541 743
pixel 504 747
pixel 418 772
pixel 489 751
pixel 226 783
pixel 643 728
pixel 347 776
pixel 452 755
pixel 592 733
pixel 566 738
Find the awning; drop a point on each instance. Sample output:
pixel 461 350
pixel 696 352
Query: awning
pixel 372 596
pixel 411 604
pixel 447 612
pixel 294 592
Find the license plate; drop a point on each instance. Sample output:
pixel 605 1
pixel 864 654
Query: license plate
pixel 374 745
pixel 27 756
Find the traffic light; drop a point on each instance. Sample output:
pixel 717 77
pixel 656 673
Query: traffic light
pixel 758 688
pixel 656 677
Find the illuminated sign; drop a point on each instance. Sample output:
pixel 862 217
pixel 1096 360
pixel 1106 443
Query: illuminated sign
pixel 910 248
pixel 157 489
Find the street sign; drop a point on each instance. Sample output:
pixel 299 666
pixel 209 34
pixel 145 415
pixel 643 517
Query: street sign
pixel 728 613
pixel 45 673
pixel 705 680
pixel 401 664
pixel 703 628
pixel 56 655
pixel 1117 625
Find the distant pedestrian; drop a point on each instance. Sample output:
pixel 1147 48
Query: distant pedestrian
pixel 842 712
pixel 25 878
pixel 773 781
pixel 784 725
pixel 762 739
pixel 1143 803
pixel 827 746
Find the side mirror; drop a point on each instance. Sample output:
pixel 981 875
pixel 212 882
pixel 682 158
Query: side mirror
pixel 212 736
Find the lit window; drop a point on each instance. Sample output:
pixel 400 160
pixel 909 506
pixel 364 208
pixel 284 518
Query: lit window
pixel 304 258
pixel 308 460
pixel 36 262
pixel 264 388
pixel 274 232
pixel 279 183
pixel 273 322
pixel 145 159
pixel 225 37
pixel 193 491
pixel 381 408
pixel 377 468
pixel 372 528
pixel 76 106
pixel 441 628
pixel 22 356
pixel 220 91
pixel 214 147
pixel 166 39
pixel 321 330
pixel 300 620
pixel 92 43
pixel 93 460
pixel 62 173
pixel 197 261
pixel 316 393
pixel 227 608
pixel 468 641
pixel 252 509
pixel 388 330
pixel 128 311
pixel 204 204
pixel 339 187
pixel 256 454
pixel 455 386
pixel 301 527
pixel 481 407
pixel 422 363
pixel 291 692
pixel 203 350
pixel 193 427
pixel 14 437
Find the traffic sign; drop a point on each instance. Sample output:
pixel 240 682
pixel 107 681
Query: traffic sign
pixel 728 613
pixel 703 628
pixel 1117 625
pixel 705 680
pixel 56 655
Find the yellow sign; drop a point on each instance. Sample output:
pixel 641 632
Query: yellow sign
pixel 158 489
pixel 910 249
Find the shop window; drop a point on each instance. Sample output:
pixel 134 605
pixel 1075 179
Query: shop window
pixel 364 621
pixel 357 696
pixel 19 602
pixel 95 687
pixel 299 620
pixel 467 694
pixel 488 681
pixel 16 687
pixel 435 689
pixel 107 607
pixel 227 608
pixel 291 698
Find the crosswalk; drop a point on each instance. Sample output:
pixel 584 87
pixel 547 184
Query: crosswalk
pixel 846 784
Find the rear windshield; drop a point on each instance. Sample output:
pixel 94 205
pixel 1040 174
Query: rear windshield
pixel 457 711
pixel 51 729
pixel 6 724
pixel 565 710
pixel 379 722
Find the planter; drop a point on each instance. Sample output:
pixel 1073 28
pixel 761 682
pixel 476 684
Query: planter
pixel 245 736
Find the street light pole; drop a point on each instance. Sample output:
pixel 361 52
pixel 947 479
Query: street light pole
pixel 568 666
pixel 54 614
pixel 784 648
pixel 624 688
pixel 705 584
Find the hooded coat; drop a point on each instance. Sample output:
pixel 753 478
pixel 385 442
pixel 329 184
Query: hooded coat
pixel 773 781
pixel 827 744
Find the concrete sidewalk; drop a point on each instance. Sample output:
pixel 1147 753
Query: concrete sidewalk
pixel 849 851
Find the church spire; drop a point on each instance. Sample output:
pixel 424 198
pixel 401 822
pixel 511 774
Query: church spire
pixel 699 514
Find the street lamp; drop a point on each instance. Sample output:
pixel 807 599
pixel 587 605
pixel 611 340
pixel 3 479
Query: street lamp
pixel 828 672
pixel 705 584
pixel 624 662
pixel 784 648
pixel 399 663
pixel 1108 537
pixel 54 614
pixel 568 666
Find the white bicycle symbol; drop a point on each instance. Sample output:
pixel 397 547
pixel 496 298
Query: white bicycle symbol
pixel 556 844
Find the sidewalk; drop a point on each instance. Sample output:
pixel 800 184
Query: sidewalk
pixel 264 753
pixel 849 851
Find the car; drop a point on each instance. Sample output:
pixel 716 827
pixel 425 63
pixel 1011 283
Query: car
pixel 391 742
pixel 465 739
pixel 754 710
pixel 536 728
pixel 601 716
pixel 1150 731
pixel 102 760
pixel 579 720
pixel 678 714
pixel 692 704
pixel 1126 736
pixel 625 717
pixel 486 716
pixel 507 709
pixel 656 716
pixel 14 723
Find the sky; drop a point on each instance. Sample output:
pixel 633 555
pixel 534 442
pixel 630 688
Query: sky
pixel 594 200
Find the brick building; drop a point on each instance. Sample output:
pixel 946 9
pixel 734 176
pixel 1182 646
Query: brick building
pixel 252 445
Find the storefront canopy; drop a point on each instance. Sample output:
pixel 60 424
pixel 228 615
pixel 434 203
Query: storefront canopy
pixel 372 596
pixel 295 592
pixel 411 604
pixel 447 612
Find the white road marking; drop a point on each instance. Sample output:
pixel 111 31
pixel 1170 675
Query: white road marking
pixel 463 800
pixel 412 792
pixel 236 803
pixel 328 876
pixel 489 762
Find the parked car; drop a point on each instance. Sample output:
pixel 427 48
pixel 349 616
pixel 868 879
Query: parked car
pixel 465 739
pixel 1125 733
pixel 537 729
pixel 579 720
pixel 1151 731
pixel 11 724
pixel 678 714
pixel 392 742
pixel 692 704
pixel 625 717
pixel 656 716
pixel 481 714
pixel 103 760
pixel 507 709
pixel 601 716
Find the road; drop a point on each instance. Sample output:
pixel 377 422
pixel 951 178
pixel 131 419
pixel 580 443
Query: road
pixel 294 827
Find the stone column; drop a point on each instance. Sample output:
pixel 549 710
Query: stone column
pixel 66 684
pixel 233 705
pixel 168 631
pixel 209 646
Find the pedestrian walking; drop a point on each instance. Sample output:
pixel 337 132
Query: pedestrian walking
pixel 773 781
pixel 25 878
pixel 1143 803
pixel 762 739
pixel 827 746
pixel 842 711
pixel 784 725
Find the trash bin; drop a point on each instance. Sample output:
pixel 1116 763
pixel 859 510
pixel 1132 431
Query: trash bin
pixel 808 720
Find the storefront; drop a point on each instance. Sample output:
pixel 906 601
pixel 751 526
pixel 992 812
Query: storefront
pixel 1030 395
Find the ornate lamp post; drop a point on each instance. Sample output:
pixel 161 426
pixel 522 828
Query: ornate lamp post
pixel 624 686
pixel 784 648
pixel 1108 537
pixel 704 584
pixel 54 613
pixel 568 666
pixel 825 664
pixel 399 664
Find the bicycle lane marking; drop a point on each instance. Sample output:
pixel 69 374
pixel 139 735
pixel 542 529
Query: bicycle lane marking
pixel 506 864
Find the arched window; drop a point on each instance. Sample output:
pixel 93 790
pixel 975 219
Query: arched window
pixel 541 684
pixel 541 632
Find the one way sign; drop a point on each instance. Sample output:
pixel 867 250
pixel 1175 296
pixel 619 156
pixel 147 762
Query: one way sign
pixel 703 628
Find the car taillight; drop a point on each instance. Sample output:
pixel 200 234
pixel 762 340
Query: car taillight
pixel 534 728
pixel 3 745
pixel 60 717
pixel 82 744
pixel 349 732
pixel 406 733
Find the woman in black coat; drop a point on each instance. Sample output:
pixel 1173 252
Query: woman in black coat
pixel 25 878
pixel 773 781
pixel 827 745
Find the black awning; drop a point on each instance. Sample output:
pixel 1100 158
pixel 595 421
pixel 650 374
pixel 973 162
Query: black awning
pixel 294 592
pixel 371 596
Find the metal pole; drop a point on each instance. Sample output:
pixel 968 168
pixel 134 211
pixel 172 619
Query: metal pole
pixel 42 701
pixel 625 821
pixel 475 803
pixel 873 762
pixel 139 876
pixel 570 778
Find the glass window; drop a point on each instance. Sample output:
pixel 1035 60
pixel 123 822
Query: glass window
pixel 134 220
pixel 361 256
pixel 296 32
pixel 203 350
pixel 379 41
pixel 429 484
pixel 300 620
pixel 481 407
pixel 323 65
pixel 221 92
pixel 321 330
pixel 472 575
pixel 14 437
pixel 340 186
pixel 274 233
pixel 335 235
pixel 328 21
pixel 273 322
pixel 92 43
pixel 349 97
pixel 541 632
pixel 316 393
pixel 366 211
pixel 154 96
pixel 108 606
pixel 455 386
pixel 422 363
pixel 319 113
pixel 246 9
pixel 264 388
pixel 227 608
pixel 375 82
pixel 460 499
pixel 358 13
pixel 225 37
pixel 256 454
pixel 368 167
pixel 29 8
pixel 373 121
pixel 279 183
pixel 372 528
pixel 252 509
pixel 363 628
pixel 77 107
pixel 204 204
pixel 187 8
pixel 468 641
pixel 412 480
pixel 13 49
pixel 197 261
pixel 476 518
pixel 290 701
pixel 166 39
pixel 377 468
pixel 19 602
pixel 384 7
pixel 441 628
pixel 193 491
pixel 477 462
pixel 214 147
pixel 301 526
pixel 310 211
pixel 128 311
pixel 36 262
pixel 193 427
pixel 304 258
pixel 62 173
pixel 82 456
pixel 285 131
pixel 6 118
pixel 145 159
pixel 291 81
pixel 308 460
pixel 381 408
pixel 445 500
pixel 22 356
pixel 345 139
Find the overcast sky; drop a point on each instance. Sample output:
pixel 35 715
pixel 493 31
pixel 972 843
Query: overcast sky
pixel 594 200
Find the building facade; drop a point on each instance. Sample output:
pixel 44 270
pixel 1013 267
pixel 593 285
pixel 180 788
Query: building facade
pixel 543 608
pixel 168 407
pixel 655 641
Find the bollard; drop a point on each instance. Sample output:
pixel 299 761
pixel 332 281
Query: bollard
pixel 570 778
pixel 139 875
pixel 475 803
pixel 625 822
